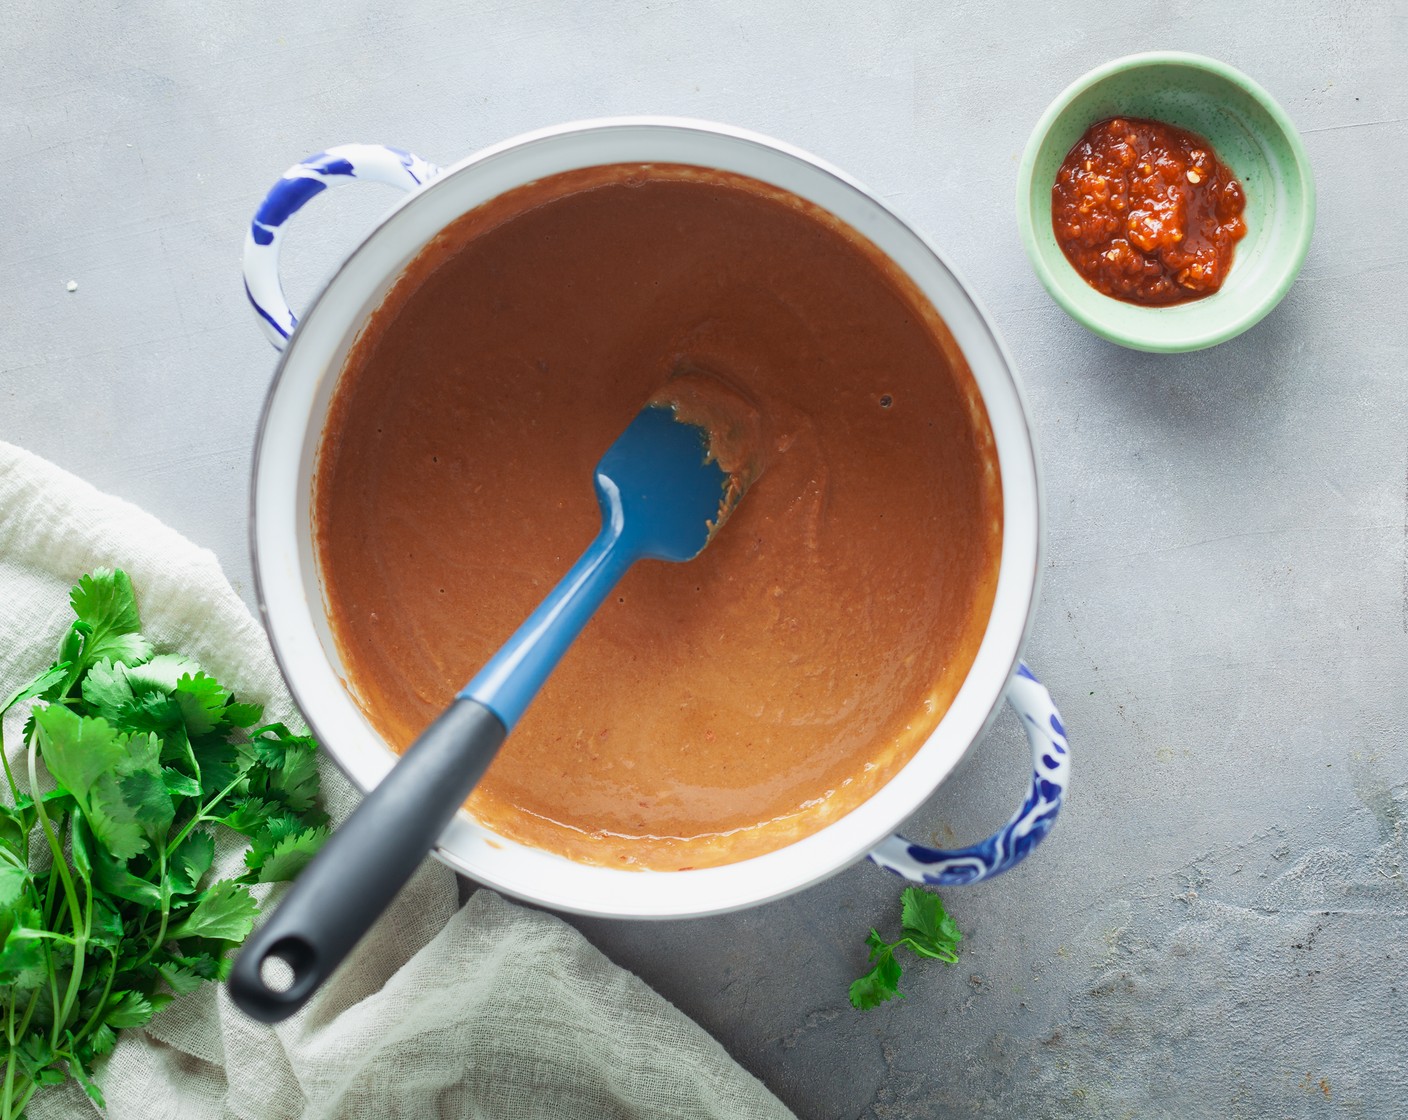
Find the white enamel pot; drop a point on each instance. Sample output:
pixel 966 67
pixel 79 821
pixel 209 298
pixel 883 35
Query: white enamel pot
pixel 286 572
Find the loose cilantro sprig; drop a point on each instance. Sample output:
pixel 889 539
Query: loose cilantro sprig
pixel 927 931
pixel 108 905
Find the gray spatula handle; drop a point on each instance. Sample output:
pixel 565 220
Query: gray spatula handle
pixel 366 862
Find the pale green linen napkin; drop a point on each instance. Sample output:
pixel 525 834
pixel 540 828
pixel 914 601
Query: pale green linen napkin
pixel 486 1011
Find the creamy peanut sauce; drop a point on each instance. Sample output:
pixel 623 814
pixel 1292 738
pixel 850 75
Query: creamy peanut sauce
pixel 712 710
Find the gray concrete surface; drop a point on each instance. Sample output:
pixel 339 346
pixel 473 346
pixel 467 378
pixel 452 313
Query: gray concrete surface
pixel 1217 926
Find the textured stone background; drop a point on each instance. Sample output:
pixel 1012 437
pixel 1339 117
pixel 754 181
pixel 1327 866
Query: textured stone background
pixel 1217 927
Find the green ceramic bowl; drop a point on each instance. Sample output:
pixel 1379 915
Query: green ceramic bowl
pixel 1248 131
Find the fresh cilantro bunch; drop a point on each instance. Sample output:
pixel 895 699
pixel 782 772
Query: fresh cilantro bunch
pixel 108 906
pixel 927 931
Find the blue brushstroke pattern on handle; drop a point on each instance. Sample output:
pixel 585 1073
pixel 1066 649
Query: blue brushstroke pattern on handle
pixel 305 180
pixel 330 164
pixel 1004 849
pixel 285 198
pixel 268 320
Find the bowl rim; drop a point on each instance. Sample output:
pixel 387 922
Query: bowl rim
pixel 1292 261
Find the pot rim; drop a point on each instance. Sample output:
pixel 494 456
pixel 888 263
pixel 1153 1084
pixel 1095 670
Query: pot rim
pixel 854 850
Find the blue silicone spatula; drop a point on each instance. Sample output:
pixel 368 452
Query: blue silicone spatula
pixel 662 496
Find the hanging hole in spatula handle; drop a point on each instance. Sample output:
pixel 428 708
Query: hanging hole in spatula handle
pixel 346 163
pixel 364 864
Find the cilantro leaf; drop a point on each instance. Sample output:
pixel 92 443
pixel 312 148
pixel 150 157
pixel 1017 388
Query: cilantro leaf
pixel 145 796
pixel 13 830
pixel 13 880
pixel 114 778
pixel 296 781
pixel 71 648
pixel 152 711
pixel 143 754
pixel 112 877
pixel 47 681
pixel 77 750
pixel 881 982
pixel 276 827
pixel 113 907
pixel 227 911
pixel 161 673
pixel 104 600
pixel 107 689
pixel 202 702
pixel 130 1009
pixel 280 860
pixel 84 1078
pixel 204 965
pixel 101 1041
pixel 180 980
pixel 249 815
pixel 191 860
pixel 84 754
pixel 288 767
pixel 81 845
pixel 22 963
pixel 243 715
pixel 33 1054
pixel 927 931
pixel 179 784
pixel 107 928
pixel 219 763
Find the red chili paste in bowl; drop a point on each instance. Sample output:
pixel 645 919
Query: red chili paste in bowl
pixel 1147 213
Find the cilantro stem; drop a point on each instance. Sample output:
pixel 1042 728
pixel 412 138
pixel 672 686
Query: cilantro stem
pixel 101 1006
pixel 54 847
pixel 50 935
pixel 165 909
pixel 28 1012
pixel 10 1054
pixel 75 979
pixel 927 932
pixel 201 816
pixel 53 979
pixel 24 1098
pixel 190 754
pixel 943 953
pixel 50 893
pixel 14 787
pixel 99 1009
pixel 9 775
pixel 58 1014
pixel 77 665
pixel 11 1108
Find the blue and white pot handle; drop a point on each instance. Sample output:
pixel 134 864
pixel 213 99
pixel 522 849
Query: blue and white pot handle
pixel 1051 762
pixel 1009 845
pixel 344 164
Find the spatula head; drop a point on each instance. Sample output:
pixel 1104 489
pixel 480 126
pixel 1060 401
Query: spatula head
pixel 660 488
